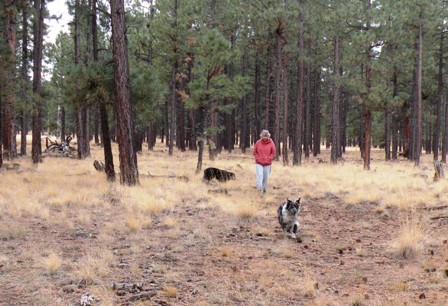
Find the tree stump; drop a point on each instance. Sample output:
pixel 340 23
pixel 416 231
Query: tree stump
pixel 438 171
pixel 99 166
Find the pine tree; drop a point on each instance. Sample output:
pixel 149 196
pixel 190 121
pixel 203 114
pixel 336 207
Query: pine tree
pixel 127 156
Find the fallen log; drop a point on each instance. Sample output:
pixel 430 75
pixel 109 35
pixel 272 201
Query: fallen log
pixel 181 177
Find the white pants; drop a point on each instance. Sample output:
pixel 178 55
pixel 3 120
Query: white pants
pixel 262 176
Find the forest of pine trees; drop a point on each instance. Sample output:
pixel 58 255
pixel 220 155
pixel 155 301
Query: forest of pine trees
pixel 209 75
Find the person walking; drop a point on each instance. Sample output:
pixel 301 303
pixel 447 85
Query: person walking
pixel 264 152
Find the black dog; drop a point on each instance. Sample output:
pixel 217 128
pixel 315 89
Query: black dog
pixel 220 175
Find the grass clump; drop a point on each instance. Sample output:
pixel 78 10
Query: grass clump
pixel 410 239
pixel 52 263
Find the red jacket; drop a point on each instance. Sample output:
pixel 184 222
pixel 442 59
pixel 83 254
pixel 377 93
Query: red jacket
pixel 264 152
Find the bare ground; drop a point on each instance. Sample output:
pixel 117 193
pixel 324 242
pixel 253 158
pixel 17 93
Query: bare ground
pixel 342 257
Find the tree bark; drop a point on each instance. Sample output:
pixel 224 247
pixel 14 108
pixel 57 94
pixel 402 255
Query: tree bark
pixel 285 110
pixel 200 136
pixel 440 89
pixel 244 143
pixel 307 142
pixel 127 156
pixel 8 76
pixel 107 145
pixel 335 128
pixel 418 136
pixel 278 87
pixel 297 149
pixel 25 80
pixel 257 98
pixel 36 148
pixel 394 131
pixel 387 133
pixel 316 114
pixel 445 132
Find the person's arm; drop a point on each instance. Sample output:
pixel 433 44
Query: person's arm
pixel 256 150
pixel 273 151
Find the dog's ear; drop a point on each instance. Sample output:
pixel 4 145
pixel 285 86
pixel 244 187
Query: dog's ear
pixel 298 201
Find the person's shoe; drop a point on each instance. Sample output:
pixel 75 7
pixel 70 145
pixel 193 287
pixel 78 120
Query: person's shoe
pixel 264 190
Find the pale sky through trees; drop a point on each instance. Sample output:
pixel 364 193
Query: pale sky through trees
pixel 57 8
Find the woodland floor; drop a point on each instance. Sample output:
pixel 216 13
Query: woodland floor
pixel 210 257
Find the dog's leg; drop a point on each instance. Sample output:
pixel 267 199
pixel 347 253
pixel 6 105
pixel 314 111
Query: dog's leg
pixel 294 229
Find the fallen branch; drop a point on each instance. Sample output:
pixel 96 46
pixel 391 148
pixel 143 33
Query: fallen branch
pixel 439 217
pixel 435 207
pixel 182 177
pixel 59 148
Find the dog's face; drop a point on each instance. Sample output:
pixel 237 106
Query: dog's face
pixel 232 176
pixel 293 206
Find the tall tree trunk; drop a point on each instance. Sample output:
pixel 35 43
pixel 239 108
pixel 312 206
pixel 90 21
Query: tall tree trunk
pixel 366 107
pixel 172 112
pixel 440 89
pixel 94 26
pixel 244 143
pixel 316 116
pixel 213 139
pixel 8 67
pixel 82 117
pixel 343 122
pixel 268 98
pixel 387 133
pixel 395 117
pixel 77 58
pixel 200 136
pixel 62 122
pixel 445 131
pixel 335 128
pixel 25 80
pixel 127 156
pixel 418 136
pixel 257 98
pixel 297 149
pixel 96 125
pixel 278 90
pixel 285 110
pixel 181 132
pixel 107 145
pixel 36 148
pixel 307 113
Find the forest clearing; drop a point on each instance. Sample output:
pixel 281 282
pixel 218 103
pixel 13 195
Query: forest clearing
pixel 375 237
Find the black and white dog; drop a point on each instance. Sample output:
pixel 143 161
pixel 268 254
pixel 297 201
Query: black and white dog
pixel 288 216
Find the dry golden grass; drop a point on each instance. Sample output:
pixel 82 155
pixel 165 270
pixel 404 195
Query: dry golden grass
pixel 52 263
pixel 171 291
pixel 170 222
pixel 310 285
pixel 94 266
pixel 400 286
pixel 11 230
pixel 411 237
pixel 60 199
pixel 245 209
pixel 133 224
